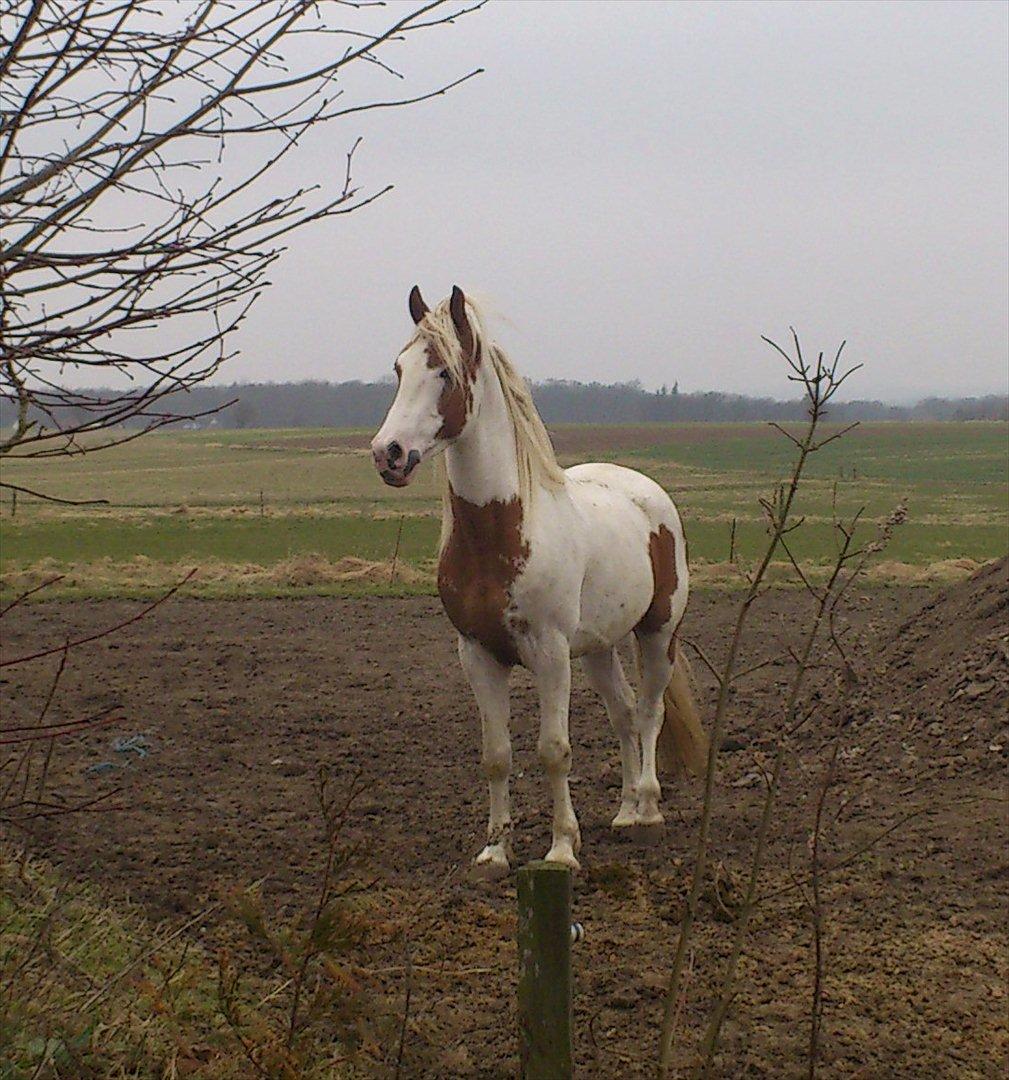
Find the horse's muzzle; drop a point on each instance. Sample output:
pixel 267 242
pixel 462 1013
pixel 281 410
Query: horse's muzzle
pixel 394 470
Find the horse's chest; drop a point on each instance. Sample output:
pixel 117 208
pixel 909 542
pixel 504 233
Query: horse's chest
pixel 479 565
pixel 478 608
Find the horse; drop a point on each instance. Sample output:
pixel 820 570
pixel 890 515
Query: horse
pixel 539 565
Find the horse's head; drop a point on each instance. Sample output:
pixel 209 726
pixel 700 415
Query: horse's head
pixel 437 372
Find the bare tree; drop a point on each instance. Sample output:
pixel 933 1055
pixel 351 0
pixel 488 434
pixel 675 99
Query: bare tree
pixel 133 241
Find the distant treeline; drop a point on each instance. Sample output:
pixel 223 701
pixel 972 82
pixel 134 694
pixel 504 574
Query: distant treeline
pixel 360 404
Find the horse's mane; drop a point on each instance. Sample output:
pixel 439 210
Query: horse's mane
pixel 537 462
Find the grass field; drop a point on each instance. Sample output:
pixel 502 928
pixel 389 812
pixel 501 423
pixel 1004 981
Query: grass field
pixel 302 510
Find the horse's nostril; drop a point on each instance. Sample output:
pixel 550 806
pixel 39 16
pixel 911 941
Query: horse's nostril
pixel 394 452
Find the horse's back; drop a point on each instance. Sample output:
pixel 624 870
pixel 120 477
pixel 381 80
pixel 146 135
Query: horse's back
pixel 624 485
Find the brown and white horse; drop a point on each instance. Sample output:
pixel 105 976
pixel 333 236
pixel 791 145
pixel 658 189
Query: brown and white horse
pixel 538 565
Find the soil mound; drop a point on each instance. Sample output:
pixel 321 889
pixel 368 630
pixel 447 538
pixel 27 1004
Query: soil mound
pixel 933 695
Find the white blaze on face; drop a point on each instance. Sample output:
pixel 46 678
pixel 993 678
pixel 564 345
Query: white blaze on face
pixel 410 431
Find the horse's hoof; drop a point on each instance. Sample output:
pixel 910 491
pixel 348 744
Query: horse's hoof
pixel 625 819
pixel 564 856
pixel 489 865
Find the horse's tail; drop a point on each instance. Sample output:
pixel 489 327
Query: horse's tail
pixel 683 742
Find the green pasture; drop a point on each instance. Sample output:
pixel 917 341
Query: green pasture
pixel 971 452
pixel 245 540
pixel 259 497
pixel 222 469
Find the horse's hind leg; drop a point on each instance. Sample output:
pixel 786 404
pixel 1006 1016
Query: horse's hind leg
pixel 656 671
pixel 606 676
pixel 489 681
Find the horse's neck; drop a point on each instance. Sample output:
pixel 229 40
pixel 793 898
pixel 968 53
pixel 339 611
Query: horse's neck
pixel 482 463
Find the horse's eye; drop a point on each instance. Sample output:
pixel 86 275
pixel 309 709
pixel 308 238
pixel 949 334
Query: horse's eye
pixel 445 375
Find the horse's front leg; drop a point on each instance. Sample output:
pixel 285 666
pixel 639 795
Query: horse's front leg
pixel 550 662
pixel 489 681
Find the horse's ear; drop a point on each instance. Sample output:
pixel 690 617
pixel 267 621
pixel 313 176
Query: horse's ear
pixel 418 309
pixel 457 308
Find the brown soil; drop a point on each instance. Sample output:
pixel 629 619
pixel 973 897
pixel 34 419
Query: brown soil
pixel 937 689
pixel 241 700
pixel 342 441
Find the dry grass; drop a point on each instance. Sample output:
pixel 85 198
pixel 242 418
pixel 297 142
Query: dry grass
pixel 943 572
pixel 314 573
pixel 887 572
pixel 90 989
pixel 307 572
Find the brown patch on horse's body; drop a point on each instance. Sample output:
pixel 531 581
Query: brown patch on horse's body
pixel 484 554
pixel 662 555
pixel 454 405
pixel 456 401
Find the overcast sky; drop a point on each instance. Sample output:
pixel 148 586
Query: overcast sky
pixel 643 189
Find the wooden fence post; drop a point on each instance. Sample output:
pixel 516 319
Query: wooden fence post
pixel 544 941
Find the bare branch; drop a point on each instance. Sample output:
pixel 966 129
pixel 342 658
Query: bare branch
pixel 121 211
pixel 101 633
pixel 53 498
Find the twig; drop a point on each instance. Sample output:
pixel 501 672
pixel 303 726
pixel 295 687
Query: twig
pixel 52 498
pixel 408 990
pixel 816 1005
pixel 794 717
pixel 821 383
pixel 24 596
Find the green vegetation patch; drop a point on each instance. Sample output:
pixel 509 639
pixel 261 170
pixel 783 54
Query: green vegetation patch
pixel 972 452
pixel 90 988
pixel 70 542
pixel 85 989
pixel 245 540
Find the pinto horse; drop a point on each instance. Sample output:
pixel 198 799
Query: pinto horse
pixel 540 564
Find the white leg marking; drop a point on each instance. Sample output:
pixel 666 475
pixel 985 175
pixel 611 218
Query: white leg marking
pixel 489 681
pixel 606 676
pixel 552 672
pixel 655 674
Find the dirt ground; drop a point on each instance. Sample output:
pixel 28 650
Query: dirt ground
pixel 240 701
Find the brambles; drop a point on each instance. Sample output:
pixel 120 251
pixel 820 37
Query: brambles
pixel 88 988
pixel 323 1012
